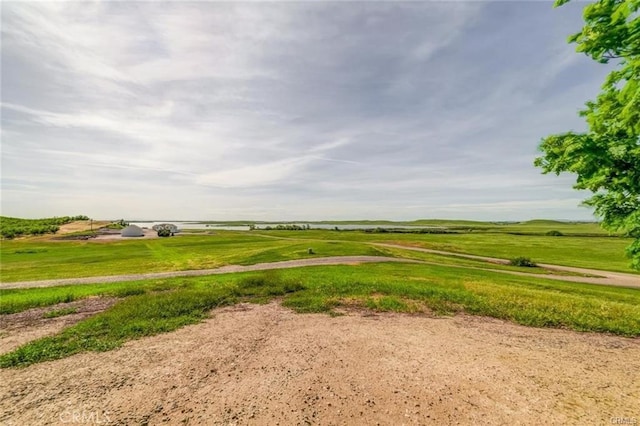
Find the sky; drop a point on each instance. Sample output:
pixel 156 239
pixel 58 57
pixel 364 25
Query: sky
pixel 289 110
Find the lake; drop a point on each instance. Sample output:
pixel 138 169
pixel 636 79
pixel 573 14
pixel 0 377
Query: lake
pixel 222 226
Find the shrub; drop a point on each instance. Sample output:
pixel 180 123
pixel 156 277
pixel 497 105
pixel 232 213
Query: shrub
pixel 523 261
pixel 164 232
pixel 555 233
pixel 119 224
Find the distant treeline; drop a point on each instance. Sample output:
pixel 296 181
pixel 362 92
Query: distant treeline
pixel 290 227
pixel 408 231
pixel 376 230
pixel 12 227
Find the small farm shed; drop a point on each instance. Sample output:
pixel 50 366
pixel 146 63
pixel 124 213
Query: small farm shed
pixel 132 231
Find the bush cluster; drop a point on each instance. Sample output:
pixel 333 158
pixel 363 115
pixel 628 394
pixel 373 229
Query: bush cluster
pixel 164 232
pixel 288 227
pixel 119 224
pixel 165 229
pixel 523 261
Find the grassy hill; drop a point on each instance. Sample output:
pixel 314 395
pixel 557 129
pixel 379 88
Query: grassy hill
pixel 11 227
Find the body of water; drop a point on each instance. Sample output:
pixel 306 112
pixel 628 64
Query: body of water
pixel 187 225
pixel 221 226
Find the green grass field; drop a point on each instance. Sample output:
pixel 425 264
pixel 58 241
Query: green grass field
pixel 155 306
pixel 606 253
pixel 39 259
pixel 449 285
pixel 531 227
pixel 33 260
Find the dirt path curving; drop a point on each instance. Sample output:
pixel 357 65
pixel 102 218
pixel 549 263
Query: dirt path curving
pixel 264 364
pixel 597 276
pixel 317 261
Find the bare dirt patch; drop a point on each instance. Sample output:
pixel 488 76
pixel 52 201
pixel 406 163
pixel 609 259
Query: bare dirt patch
pixel 22 327
pixel 264 364
pixel 81 225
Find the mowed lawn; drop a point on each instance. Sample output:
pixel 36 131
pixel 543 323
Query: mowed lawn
pixel 37 259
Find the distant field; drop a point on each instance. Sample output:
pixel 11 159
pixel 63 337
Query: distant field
pixel 530 227
pixel 37 259
pixel 31 259
pixel 607 253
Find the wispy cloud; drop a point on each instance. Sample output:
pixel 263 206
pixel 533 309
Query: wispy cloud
pixel 287 110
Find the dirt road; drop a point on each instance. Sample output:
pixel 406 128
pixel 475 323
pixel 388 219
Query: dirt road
pixel 597 276
pixel 264 364
pixel 604 277
pixel 334 260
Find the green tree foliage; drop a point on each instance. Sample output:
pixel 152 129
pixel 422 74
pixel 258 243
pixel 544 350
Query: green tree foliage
pixel 164 232
pixel 118 224
pixel 606 158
